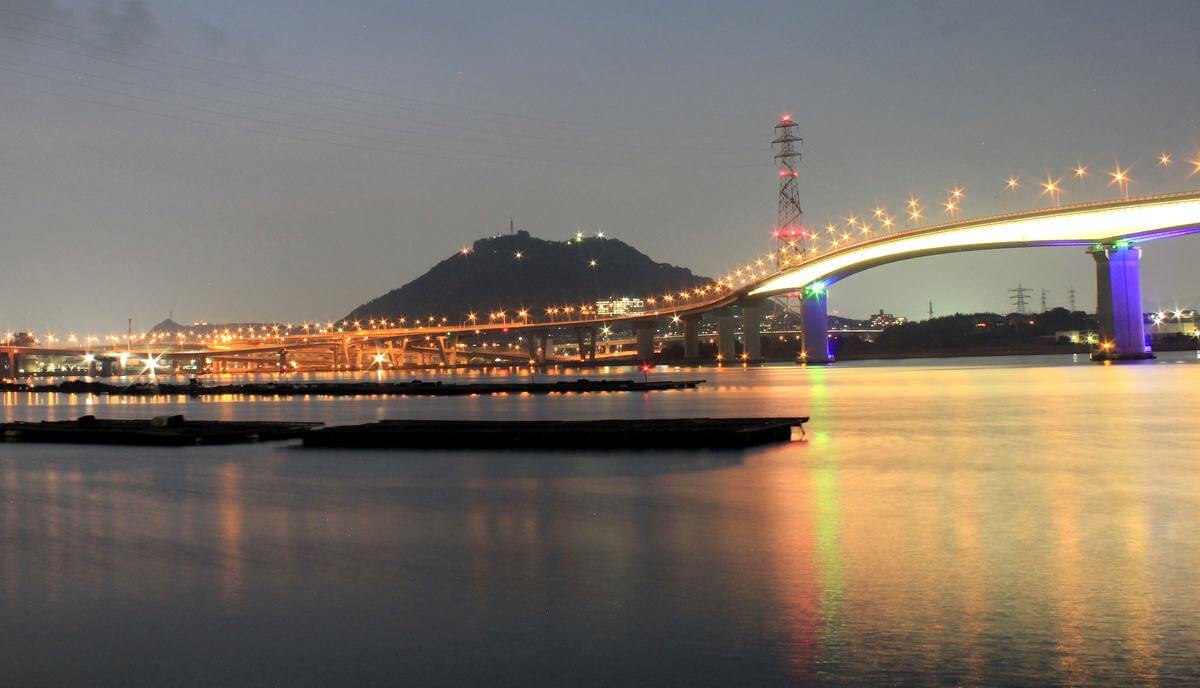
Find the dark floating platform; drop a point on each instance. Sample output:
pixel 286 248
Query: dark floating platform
pixel 1102 356
pixel 163 431
pixel 681 433
pixel 341 389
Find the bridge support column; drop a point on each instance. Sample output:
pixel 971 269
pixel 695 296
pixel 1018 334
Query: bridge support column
pixel 587 344
pixel 536 347
pixel 643 331
pixel 815 325
pixel 1119 303
pixel 726 342
pixel 752 331
pixel 448 349
pixel 282 363
pixel 691 337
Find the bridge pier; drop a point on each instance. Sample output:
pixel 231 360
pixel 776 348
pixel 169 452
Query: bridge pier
pixel 815 325
pixel 536 346
pixel 587 344
pixel 644 335
pixel 448 349
pixel 1119 303
pixel 752 330
pixel 726 341
pixel 691 337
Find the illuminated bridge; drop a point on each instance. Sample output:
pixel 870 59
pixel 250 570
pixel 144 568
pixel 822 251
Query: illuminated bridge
pixel 1112 233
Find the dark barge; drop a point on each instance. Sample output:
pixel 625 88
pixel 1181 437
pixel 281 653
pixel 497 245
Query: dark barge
pixel 163 431
pixel 675 433
pixel 340 389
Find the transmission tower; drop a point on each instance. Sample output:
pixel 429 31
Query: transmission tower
pixel 1019 296
pixel 1044 307
pixel 791 242
pixel 1071 298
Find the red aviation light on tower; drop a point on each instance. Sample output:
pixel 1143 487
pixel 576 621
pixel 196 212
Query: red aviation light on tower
pixel 790 224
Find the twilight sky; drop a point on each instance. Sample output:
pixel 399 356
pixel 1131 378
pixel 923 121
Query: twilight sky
pixel 262 159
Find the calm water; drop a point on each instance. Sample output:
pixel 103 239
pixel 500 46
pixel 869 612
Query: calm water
pixel 961 522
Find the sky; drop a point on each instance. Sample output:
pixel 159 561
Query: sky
pixel 270 160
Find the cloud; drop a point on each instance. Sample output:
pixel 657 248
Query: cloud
pixel 121 26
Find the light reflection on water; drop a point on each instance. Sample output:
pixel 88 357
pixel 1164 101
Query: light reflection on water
pixel 969 522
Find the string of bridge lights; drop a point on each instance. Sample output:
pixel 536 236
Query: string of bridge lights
pixel 798 245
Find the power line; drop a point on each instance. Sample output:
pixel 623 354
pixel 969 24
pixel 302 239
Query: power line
pixel 477 112
pixel 237 104
pixel 424 150
pixel 503 136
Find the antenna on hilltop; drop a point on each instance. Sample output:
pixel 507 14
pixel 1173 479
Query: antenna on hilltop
pixel 789 231
pixel 512 227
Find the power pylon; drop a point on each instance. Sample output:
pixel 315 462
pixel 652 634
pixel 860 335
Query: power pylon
pixel 1044 307
pixel 1019 296
pixel 1071 298
pixel 791 240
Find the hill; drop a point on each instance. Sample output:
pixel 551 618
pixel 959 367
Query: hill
pixel 521 271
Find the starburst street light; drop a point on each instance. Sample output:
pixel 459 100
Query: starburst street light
pixel 1010 184
pixel 1120 177
pixel 1164 160
pixel 1051 188
pixel 914 210
pixel 1077 173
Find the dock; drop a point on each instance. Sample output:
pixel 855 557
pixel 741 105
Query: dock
pixel 163 431
pixel 194 388
pixel 677 433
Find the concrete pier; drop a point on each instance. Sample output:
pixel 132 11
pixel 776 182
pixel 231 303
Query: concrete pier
pixel 1119 302
pixel 752 330
pixel 726 341
pixel 644 334
pixel 815 323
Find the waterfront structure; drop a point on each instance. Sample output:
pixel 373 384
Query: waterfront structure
pixel 1113 233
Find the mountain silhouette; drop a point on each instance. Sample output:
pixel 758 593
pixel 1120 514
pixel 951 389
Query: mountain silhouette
pixel 514 271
